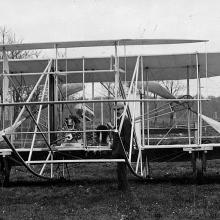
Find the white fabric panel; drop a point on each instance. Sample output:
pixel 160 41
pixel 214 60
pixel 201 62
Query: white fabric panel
pixel 213 123
pixel 135 108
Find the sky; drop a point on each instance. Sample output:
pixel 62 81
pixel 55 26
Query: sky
pixel 75 20
pixel 56 20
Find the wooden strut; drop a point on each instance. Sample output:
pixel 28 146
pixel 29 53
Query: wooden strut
pixel 41 176
pixel 52 161
pixel 31 115
pixel 98 101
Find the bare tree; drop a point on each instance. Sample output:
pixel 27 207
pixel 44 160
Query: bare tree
pixel 174 87
pixel 9 37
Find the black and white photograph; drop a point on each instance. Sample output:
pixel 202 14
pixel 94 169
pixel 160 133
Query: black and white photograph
pixel 109 110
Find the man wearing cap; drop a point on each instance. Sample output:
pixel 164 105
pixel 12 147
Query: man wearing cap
pixel 117 148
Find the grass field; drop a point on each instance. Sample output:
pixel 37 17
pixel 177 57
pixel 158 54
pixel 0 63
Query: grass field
pixel 92 193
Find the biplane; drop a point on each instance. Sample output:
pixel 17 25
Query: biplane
pixel 44 127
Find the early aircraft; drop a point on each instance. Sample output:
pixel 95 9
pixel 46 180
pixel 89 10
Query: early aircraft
pixel 46 127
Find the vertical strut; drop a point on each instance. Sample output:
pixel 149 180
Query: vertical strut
pixel 84 118
pixel 51 109
pixel 93 109
pixel 188 110
pixel 5 92
pixel 198 97
pixel 145 162
pixel 116 79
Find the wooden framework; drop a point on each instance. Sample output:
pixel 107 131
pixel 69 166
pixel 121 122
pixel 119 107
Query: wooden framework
pixel 47 114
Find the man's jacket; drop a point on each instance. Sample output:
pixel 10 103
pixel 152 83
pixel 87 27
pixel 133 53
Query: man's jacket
pixel 117 149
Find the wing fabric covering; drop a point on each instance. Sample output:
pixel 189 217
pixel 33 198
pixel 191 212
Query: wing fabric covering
pixel 158 67
pixel 156 88
pixel 213 123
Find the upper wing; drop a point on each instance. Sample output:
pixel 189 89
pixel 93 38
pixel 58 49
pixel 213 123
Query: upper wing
pixel 94 43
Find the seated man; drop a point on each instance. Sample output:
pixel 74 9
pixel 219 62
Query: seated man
pixel 73 122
